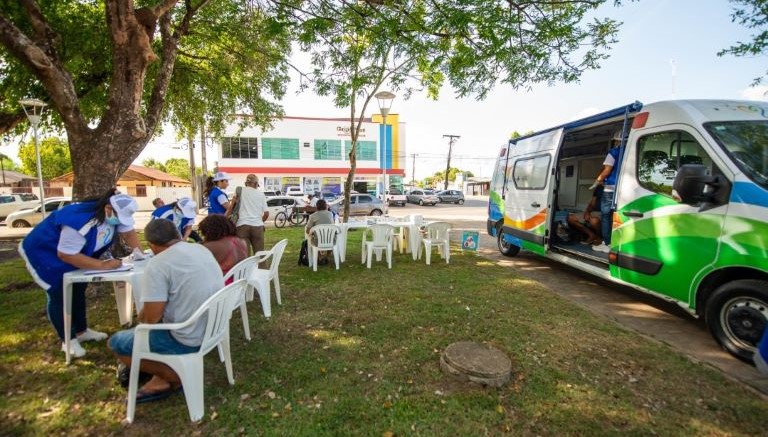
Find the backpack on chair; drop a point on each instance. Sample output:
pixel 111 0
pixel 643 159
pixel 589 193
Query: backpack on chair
pixel 304 254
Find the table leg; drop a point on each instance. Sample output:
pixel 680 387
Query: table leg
pixel 343 244
pixel 414 241
pixel 67 317
pixel 124 300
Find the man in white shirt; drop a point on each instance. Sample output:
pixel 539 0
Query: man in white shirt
pixel 177 281
pixel 252 213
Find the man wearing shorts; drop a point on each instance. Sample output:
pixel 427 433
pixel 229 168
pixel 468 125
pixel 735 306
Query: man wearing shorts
pixel 177 281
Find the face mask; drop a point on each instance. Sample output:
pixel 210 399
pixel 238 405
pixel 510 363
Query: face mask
pixel 113 220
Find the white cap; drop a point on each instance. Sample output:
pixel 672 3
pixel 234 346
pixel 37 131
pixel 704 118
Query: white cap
pixel 188 207
pixel 221 176
pixel 124 206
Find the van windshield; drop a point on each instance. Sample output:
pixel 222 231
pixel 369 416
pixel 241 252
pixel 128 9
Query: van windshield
pixel 747 143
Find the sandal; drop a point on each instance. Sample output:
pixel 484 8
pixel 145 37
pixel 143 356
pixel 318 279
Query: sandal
pixel 143 396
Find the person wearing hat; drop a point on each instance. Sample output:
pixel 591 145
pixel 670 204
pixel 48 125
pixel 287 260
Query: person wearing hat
pixel 72 238
pixel 252 214
pixel 182 213
pixel 218 202
pixel 607 178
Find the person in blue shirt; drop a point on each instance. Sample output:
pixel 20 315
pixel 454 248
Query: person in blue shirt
pixel 761 354
pixel 608 178
pixel 218 202
pixel 72 238
pixel 182 213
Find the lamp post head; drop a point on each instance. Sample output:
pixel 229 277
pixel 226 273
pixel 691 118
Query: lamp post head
pixel 33 108
pixel 384 99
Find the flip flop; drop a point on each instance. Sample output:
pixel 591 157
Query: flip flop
pixel 143 396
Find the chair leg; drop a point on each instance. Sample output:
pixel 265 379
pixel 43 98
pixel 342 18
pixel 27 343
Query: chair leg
pixel 194 387
pixel 428 250
pixel 369 249
pixel 363 252
pixel 336 256
pixel 447 251
pixel 266 304
pixel 277 289
pixel 244 316
pixel 389 256
pixel 315 255
pixel 133 388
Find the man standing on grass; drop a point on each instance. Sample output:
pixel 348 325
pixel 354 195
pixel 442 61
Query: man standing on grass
pixel 177 281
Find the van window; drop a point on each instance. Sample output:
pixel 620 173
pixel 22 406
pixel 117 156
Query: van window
pixel 747 143
pixel 659 156
pixel 531 173
pixel 6 199
pixel 28 197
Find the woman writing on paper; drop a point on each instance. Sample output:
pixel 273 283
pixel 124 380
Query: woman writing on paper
pixel 71 238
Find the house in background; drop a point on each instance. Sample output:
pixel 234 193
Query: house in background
pixel 143 183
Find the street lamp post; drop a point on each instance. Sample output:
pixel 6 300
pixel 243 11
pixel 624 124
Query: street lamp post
pixel 385 103
pixel 33 108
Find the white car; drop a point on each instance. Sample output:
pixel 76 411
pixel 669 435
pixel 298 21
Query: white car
pixel 278 203
pixel 26 218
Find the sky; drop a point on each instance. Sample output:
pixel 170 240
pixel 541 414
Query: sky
pixel 666 49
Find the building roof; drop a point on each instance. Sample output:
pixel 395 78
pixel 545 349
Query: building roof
pixel 14 177
pixel 134 172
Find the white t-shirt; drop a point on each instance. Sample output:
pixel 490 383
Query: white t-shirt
pixel 253 203
pixel 313 203
pixel 185 275
pixel 71 242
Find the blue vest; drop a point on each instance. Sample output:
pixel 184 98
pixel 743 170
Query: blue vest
pixel 762 347
pixel 168 212
pixel 616 152
pixel 214 207
pixel 41 245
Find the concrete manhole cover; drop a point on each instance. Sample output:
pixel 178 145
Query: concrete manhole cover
pixel 476 362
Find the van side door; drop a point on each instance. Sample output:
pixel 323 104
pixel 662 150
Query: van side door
pixel 529 189
pixel 663 245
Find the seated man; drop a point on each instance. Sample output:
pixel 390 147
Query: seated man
pixel 177 280
pixel 591 224
pixel 320 217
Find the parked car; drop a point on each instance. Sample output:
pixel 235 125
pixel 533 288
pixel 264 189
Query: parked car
pixel 422 197
pixel 14 202
pixel 451 196
pixel 294 191
pixel 328 196
pixel 26 218
pixel 276 204
pixel 361 204
pixel 271 193
pixel 395 197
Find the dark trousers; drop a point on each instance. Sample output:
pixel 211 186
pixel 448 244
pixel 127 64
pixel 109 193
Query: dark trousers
pixel 56 309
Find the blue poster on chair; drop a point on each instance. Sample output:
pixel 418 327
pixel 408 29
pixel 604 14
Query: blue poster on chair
pixel 470 240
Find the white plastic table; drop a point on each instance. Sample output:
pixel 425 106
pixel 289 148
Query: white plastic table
pixel 414 236
pixel 123 295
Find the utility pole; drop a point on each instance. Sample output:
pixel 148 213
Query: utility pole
pixel 192 177
pixel 451 139
pixel 203 162
pixel 413 166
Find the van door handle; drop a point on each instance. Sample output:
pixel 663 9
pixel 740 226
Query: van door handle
pixel 535 204
pixel 633 214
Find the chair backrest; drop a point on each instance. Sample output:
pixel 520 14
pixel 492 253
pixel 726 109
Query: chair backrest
pixel 325 236
pixel 381 233
pixel 219 309
pixel 438 231
pixel 277 254
pixel 241 269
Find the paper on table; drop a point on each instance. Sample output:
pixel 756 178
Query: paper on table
pixel 123 268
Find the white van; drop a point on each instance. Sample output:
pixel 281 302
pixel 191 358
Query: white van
pixel 690 210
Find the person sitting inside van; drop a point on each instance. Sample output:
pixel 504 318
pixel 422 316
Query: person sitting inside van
pixel 590 226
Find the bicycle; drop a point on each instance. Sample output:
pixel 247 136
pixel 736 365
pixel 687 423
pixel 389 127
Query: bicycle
pixel 294 217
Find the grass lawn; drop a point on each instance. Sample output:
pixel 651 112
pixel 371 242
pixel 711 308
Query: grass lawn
pixel 356 352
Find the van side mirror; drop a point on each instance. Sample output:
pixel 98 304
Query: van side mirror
pixel 692 185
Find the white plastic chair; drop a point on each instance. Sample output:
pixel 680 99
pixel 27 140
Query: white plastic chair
pixel 217 311
pixel 260 279
pixel 382 239
pixel 241 271
pixel 437 235
pixel 326 238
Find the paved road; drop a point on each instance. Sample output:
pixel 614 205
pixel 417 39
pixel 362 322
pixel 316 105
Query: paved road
pixel 651 317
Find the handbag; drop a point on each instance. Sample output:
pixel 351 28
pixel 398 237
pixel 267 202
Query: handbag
pixel 235 214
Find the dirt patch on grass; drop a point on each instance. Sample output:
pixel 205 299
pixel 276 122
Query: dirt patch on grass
pixel 9 250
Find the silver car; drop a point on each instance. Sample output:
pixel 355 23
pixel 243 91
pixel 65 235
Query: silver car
pixel 422 197
pixel 360 204
pixel 26 218
pixel 451 196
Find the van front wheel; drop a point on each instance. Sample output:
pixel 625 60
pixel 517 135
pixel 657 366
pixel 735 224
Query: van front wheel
pixel 506 249
pixel 737 315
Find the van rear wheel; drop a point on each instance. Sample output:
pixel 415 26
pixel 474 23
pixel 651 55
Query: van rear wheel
pixel 506 249
pixel 737 315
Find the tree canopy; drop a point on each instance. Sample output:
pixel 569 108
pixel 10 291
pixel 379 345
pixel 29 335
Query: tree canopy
pixel 197 62
pixel 54 157
pixel 753 14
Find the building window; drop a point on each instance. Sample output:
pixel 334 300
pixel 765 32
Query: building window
pixel 280 148
pixel 366 150
pixel 240 147
pixel 327 150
